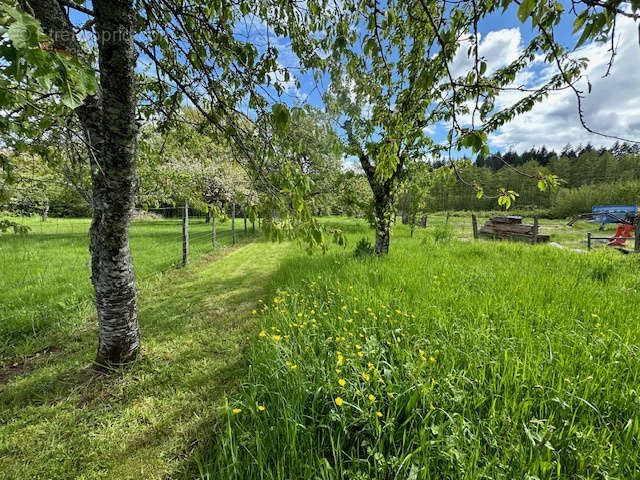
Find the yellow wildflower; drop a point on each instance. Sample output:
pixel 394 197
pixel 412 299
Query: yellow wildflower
pixel 262 333
pixel 254 311
pixel 260 408
pixel 276 337
pixel 366 376
pixel 371 397
pixel 432 359
pixel 236 411
pixel 339 401
pixel 378 414
pixel 342 382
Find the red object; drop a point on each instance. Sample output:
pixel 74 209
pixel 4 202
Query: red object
pixel 623 230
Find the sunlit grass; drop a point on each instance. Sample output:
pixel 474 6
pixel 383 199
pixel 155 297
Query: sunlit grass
pixel 445 360
pixel 45 280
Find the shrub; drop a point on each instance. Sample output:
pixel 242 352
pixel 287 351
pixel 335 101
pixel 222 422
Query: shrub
pixel 581 199
pixel 364 248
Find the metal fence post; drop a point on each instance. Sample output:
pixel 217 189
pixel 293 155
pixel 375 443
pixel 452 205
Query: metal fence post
pixel 185 235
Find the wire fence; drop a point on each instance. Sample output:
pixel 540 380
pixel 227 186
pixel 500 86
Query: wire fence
pixel 459 225
pixel 47 271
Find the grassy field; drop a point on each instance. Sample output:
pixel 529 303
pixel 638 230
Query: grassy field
pixel 444 360
pixel 59 419
pixel 448 359
pixel 45 277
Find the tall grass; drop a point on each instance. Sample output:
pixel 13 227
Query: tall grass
pixel 45 280
pixel 445 360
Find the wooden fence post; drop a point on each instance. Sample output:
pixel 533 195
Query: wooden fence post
pixel 185 235
pixel 636 231
pixel 213 230
pixel 448 215
pixel 244 214
pixel 233 223
pixel 474 224
pixel 588 240
pixel 534 237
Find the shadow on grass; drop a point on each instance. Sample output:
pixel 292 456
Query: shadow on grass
pixel 139 422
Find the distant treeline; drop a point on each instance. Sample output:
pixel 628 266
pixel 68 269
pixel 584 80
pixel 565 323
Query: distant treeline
pixel 589 176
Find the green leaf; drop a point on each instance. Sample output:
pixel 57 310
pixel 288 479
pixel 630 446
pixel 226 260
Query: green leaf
pixel 525 9
pixel 23 35
pixel 281 116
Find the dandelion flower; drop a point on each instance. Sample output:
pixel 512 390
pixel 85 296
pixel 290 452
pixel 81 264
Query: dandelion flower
pixel 360 354
pixel 262 333
pixel 339 401
pixel 342 382
pixel 236 411
pixel 432 359
pixel 254 311
pixel 366 376
pixel 371 397
pixel 260 408
pixel 276 337
pixel 378 414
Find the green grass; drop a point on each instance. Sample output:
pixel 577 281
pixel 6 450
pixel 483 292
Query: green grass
pixel 483 360
pixel 59 419
pixel 45 277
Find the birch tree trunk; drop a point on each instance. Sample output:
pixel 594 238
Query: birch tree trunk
pixel 110 129
pixel 114 185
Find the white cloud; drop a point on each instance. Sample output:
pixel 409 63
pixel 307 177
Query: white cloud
pixel 351 163
pixel 497 49
pixel 280 77
pixel 612 107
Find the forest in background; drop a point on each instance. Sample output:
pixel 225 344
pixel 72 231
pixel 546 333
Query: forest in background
pixel 587 175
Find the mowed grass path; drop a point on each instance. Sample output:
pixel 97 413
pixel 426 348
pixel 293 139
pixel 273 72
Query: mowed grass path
pixel 61 420
pixel 45 278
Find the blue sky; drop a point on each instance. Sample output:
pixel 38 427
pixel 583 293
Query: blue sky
pixel 612 107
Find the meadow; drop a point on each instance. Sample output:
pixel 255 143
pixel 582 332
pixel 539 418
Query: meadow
pixel 46 275
pixel 450 358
